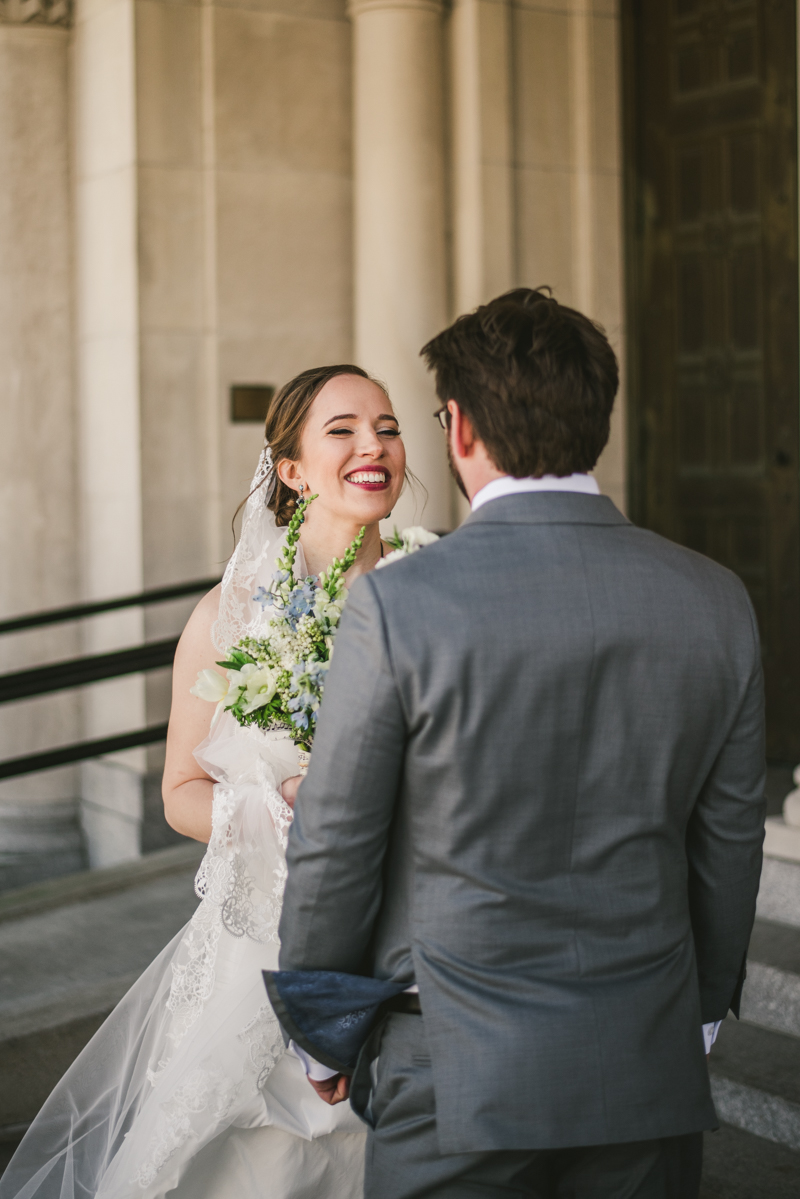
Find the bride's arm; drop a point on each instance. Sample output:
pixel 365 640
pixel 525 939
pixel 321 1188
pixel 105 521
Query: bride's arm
pixel 186 788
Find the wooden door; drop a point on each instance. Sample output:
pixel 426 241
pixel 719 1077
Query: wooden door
pixel 711 115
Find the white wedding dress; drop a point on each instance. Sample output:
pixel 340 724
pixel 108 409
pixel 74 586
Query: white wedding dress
pixel 188 1089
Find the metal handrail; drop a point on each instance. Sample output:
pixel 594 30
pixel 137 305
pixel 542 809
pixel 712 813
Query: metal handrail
pixel 157 595
pixel 79 751
pixel 91 668
pixel 77 672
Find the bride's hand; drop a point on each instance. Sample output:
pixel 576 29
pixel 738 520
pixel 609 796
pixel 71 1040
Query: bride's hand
pixel 289 789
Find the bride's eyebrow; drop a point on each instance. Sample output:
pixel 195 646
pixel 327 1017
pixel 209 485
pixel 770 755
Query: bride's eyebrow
pixel 352 416
pixel 343 416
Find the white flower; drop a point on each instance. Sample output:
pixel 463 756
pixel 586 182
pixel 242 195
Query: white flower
pixel 415 537
pixel 260 687
pixel 332 611
pixel 223 692
pixel 412 539
pixel 395 556
pixel 210 686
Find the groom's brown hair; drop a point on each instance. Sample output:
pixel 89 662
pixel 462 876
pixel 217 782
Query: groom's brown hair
pixel 536 379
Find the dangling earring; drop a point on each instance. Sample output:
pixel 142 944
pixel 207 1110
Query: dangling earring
pixel 302 489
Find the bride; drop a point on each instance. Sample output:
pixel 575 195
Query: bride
pixel 188 1088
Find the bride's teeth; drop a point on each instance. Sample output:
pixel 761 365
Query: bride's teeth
pixel 368 476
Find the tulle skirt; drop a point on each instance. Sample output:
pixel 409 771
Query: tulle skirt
pixel 229 1113
pixel 189 1084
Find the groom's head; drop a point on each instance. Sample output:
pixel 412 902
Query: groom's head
pixel 528 382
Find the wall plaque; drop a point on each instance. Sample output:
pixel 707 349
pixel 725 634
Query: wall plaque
pixel 250 401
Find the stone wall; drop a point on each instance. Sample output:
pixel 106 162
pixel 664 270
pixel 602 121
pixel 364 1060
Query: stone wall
pixel 201 194
pixel 38 503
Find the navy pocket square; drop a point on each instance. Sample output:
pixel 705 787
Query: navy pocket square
pixel 326 1013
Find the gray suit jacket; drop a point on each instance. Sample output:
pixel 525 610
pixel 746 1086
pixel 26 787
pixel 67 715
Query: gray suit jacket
pixel 537 790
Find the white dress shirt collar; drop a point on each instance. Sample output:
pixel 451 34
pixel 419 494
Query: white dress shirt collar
pixel 508 485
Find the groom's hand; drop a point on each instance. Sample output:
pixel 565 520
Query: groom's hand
pixel 333 1090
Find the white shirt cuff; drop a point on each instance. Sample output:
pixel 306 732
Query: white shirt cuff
pixel 313 1068
pixel 710 1034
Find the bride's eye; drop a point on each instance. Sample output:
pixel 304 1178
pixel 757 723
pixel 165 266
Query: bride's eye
pixel 339 432
pixel 389 431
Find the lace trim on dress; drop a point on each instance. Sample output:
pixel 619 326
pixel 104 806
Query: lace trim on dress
pixel 213 1094
pixel 203 1092
pixel 231 900
pixel 231 883
pixel 264 1041
pixel 229 874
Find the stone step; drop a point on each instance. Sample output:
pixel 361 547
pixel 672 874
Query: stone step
pixel 755 1064
pixel 771 996
pixel 755 1081
pixel 88 884
pixel 779 893
pixel 70 949
pixel 739 1165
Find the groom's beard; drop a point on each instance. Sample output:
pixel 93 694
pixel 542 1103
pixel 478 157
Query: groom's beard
pixel 454 471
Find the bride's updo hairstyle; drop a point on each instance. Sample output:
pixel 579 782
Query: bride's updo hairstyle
pixel 286 419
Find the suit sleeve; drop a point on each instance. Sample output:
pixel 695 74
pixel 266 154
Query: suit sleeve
pixel 345 805
pixel 724 848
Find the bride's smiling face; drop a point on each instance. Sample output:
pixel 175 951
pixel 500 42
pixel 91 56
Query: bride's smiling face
pixel 351 453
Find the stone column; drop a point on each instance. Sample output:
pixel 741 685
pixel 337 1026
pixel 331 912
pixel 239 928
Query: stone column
pixel 482 157
pixel 568 173
pixel 482 148
pixel 400 251
pixel 109 436
pixel 39 834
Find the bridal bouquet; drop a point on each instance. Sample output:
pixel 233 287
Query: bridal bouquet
pixel 276 681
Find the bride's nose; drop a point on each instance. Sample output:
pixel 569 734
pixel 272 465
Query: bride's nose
pixel 369 445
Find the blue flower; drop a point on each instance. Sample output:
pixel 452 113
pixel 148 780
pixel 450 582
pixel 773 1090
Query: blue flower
pixel 301 601
pixel 264 597
pixel 307 677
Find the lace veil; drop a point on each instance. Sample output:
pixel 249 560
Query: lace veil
pixel 256 549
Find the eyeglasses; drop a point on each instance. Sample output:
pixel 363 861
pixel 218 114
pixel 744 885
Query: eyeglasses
pixel 443 416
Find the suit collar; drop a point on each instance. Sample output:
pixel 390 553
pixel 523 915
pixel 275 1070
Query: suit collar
pixel 548 508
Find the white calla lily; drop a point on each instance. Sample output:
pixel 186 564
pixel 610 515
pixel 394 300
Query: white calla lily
pixel 210 686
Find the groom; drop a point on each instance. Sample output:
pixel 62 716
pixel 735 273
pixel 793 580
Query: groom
pixel 536 796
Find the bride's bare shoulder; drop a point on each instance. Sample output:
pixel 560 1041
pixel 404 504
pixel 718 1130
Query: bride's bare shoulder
pixel 207 609
pixel 196 640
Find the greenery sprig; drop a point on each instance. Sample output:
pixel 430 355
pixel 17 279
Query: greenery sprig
pixel 330 579
pixel 286 559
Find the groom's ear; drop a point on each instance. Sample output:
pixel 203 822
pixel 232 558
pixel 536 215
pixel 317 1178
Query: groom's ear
pixel 462 433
